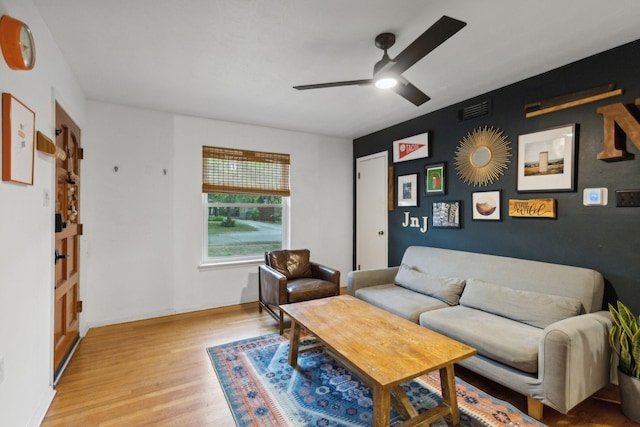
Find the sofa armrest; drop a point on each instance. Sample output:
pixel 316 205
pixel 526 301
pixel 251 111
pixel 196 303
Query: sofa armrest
pixel 323 272
pixel 363 278
pixel 575 359
pixel 273 285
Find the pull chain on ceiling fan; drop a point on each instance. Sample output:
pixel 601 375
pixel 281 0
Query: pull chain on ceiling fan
pixel 387 73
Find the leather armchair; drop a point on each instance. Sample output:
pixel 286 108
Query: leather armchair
pixel 289 276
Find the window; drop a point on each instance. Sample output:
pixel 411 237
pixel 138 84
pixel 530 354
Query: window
pixel 245 202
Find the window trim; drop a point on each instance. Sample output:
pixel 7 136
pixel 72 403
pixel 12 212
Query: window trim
pixel 231 261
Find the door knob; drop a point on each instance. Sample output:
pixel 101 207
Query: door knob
pixel 380 233
pixel 58 256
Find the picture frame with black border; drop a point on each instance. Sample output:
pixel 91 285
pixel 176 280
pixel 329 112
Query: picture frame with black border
pixel 435 179
pixel 446 214
pixel 486 205
pixel 546 159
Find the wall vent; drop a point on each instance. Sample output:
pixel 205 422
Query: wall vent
pixel 472 111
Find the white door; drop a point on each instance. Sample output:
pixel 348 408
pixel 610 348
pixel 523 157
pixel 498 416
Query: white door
pixel 371 211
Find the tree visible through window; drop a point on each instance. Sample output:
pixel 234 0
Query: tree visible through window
pixel 243 225
pixel 245 203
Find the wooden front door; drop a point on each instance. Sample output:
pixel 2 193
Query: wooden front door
pixel 68 231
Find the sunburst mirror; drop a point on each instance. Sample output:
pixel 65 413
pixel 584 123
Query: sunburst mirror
pixel 482 156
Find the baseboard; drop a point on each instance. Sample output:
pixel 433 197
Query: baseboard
pixel 41 412
pixel 128 319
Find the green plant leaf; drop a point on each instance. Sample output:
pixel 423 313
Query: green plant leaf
pixel 615 316
pixel 627 319
pixel 624 339
pixel 614 340
pixel 624 320
pixel 625 355
pixel 635 354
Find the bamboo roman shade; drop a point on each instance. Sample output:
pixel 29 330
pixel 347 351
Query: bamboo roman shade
pixel 231 171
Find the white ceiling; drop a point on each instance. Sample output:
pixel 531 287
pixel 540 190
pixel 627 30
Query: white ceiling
pixel 237 60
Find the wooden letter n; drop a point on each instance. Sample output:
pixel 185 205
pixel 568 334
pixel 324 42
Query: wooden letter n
pixel 618 121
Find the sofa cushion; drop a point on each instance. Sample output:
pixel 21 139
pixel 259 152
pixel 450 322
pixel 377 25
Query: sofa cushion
pixel 447 289
pixel 399 301
pixel 512 343
pixel 294 264
pixel 532 308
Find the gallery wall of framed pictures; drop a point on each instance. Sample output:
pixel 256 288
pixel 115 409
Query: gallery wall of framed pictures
pixel 534 201
pixel 545 163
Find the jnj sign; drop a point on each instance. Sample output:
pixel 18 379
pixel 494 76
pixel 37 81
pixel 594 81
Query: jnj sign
pixel 414 222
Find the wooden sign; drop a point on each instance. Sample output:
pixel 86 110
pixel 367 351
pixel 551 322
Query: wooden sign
pixel 533 208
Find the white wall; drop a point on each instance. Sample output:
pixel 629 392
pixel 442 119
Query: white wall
pixel 143 228
pixel 141 248
pixel 27 234
pixel 321 205
pixel 128 214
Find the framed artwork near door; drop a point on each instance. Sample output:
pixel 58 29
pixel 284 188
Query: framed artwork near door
pixel 414 147
pixel 408 190
pixel 435 179
pixel 18 140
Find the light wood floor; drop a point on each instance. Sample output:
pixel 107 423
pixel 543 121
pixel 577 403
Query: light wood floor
pixel 156 372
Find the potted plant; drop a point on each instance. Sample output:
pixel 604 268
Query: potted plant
pixel 624 338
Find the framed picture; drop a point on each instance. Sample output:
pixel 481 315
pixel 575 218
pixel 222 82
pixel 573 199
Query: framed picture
pixel 546 159
pixel 18 140
pixel 435 179
pixel 408 190
pixel 446 214
pixel 485 205
pixel 414 147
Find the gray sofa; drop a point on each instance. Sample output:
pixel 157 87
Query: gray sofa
pixel 538 327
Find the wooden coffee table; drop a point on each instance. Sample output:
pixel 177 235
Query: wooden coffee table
pixel 383 350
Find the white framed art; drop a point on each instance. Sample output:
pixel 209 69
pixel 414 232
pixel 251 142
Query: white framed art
pixel 485 205
pixel 408 190
pixel 546 159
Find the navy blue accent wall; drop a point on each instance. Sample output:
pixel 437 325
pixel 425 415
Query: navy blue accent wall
pixel 606 239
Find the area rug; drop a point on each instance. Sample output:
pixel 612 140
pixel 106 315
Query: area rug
pixel 263 390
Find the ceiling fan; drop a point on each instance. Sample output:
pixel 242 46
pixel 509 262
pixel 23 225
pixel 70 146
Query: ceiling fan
pixel 387 73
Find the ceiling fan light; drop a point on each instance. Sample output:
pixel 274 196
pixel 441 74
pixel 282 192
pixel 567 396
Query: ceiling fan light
pixel 386 82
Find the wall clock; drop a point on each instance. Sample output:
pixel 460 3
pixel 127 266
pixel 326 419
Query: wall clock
pixel 16 41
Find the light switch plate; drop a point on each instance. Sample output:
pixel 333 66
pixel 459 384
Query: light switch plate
pixel 595 196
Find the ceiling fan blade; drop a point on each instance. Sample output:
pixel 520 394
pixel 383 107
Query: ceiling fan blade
pixel 411 93
pixel 334 84
pixel 435 35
